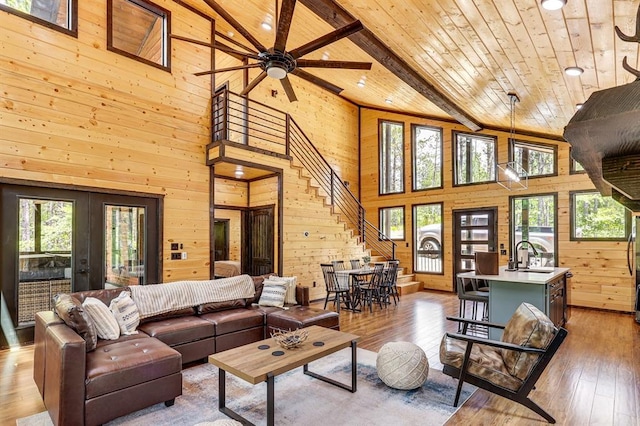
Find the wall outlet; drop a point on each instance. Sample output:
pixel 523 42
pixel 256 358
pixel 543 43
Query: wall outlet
pixel 184 255
pixel 175 256
pixel 503 252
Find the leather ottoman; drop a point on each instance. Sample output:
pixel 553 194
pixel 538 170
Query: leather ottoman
pixel 301 317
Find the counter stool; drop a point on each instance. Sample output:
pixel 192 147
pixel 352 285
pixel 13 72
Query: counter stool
pixel 473 296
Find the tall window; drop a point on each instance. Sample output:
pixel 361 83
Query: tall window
pixel 475 159
pixel 57 14
pixel 594 217
pixel 392 222
pixel 139 30
pixel 391 175
pixel 427 251
pixel 426 148
pixel 537 159
pixel 534 222
pixel 575 167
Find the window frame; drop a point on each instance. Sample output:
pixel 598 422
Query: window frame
pixel 73 19
pixel 414 129
pixel 414 238
pixel 572 166
pixel 512 224
pixel 512 145
pixel 404 222
pixel 153 8
pixel 454 140
pixel 381 123
pixel 572 224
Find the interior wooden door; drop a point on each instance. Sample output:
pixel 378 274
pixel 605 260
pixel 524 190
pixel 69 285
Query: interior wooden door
pixel 259 232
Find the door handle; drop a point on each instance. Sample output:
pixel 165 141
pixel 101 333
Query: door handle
pixel 629 246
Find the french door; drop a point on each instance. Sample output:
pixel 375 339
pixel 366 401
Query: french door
pixel 473 231
pixel 62 240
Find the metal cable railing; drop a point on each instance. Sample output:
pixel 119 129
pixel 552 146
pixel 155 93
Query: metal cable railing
pixel 241 120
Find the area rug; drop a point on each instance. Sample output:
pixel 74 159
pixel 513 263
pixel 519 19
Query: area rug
pixel 301 399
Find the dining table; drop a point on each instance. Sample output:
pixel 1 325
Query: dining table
pixel 350 278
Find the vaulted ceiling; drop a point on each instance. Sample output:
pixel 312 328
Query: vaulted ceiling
pixel 458 59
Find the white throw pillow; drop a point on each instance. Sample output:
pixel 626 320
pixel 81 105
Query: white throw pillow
pixel 291 282
pixel 125 311
pixel 272 294
pixel 106 325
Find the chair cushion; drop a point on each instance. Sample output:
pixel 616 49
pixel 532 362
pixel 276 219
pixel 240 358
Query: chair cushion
pixel 527 327
pixel 486 362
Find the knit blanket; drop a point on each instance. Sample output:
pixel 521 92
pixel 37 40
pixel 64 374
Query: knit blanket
pixel 158 299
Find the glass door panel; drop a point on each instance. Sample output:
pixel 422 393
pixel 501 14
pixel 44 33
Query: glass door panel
pixel 474 231
pixel 124 248
pixel 45 243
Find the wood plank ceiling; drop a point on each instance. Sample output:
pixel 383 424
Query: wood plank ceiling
pixel 472 52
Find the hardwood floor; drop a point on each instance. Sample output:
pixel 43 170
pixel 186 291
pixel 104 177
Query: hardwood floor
pixel 594 379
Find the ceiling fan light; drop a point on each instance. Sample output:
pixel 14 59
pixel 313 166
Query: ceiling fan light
pixel 573 71
pixel 553 4
pixel 276 72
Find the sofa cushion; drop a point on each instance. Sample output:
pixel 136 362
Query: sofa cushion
pixel 125 312
pixel 173 314
pixel 70 310
pixel 529 327
pixel 174 331
pixel 106 324
pixel 105 295
pixel 207 308
pixel 234 320
pixel 128 363
pixel 300 317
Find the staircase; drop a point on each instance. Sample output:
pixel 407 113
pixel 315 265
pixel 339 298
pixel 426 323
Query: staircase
pixel 238 119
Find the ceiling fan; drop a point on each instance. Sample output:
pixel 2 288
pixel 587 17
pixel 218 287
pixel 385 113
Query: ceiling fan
pixel 277 62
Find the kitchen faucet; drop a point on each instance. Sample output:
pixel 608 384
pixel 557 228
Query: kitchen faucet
pixel 526 261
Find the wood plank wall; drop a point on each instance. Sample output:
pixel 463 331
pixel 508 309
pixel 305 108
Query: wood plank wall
pixel 73 113
pixel 601 279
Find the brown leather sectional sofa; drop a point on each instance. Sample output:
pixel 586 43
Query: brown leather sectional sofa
pixel 125 375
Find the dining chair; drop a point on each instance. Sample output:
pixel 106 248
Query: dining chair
pixel 335 291
pixel 370 290
pixel 388 287
pixel 355 264
pixel 338 265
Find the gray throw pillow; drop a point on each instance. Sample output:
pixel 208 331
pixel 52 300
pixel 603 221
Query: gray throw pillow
pixel 70 310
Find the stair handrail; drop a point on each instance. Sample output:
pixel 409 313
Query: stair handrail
pixel 277 126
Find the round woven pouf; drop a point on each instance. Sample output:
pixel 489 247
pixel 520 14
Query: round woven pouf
pixel 402 365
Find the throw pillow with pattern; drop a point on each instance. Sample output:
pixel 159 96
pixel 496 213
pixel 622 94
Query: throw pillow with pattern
pixel 125 311
pixel 106 324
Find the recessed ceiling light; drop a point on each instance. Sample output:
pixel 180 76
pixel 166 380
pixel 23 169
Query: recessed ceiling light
pixel 573 71
pixel 361 83
pixel 579 106
pixel 553 4
pixel 266 24
pixel 388 100
pixel 230 33
pixel 325 56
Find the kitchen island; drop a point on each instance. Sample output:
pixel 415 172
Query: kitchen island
pixel 545 290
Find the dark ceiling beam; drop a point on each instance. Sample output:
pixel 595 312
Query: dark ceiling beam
pixel 338 17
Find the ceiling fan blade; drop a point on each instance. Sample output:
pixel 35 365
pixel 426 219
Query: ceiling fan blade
pixel 317 81
pixel 288 89
pixel 240 67
pixel 284 23
pixel 310 63
pixel 235 53
pixel 254 83
pixel 235 24
pixel 327 39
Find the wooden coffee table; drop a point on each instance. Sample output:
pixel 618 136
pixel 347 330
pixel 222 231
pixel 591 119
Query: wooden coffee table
pixel 263 361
